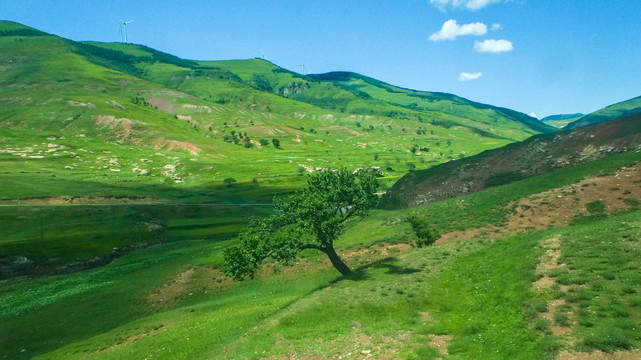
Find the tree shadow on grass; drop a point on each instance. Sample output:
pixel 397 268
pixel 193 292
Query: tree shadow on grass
pixel 366 271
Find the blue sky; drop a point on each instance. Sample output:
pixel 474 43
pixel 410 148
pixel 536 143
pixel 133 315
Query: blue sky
pixel 535 56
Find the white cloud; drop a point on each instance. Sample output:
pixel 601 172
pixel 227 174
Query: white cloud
pixel 493 46
pixel 468 4
pixel 533 114
pixel 451 30
pixel 468 76
pixel 496 27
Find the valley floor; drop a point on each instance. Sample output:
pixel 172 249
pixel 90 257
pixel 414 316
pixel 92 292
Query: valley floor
pixel 557 277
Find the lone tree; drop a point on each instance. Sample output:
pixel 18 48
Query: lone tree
pixel 308 219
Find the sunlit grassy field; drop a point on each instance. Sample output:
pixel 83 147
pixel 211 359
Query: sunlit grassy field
pixel 476 296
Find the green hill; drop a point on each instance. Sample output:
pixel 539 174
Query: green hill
pixel 615 111
pixel 561 117
pixel 561 120
pixel 72 112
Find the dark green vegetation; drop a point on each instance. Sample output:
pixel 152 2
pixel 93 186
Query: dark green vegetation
pixel 425 233
pixel 312 218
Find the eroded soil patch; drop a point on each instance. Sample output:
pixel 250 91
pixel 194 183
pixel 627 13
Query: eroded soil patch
pixel 558 207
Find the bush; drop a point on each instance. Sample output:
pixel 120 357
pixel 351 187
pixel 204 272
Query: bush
pixel 425 233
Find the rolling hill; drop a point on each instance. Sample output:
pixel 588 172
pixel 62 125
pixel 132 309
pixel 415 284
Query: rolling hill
pixel 618 110
pixel 109 119
pixel 561 120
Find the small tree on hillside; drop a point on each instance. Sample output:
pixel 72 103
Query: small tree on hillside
pixel 276 143
pixel 426 234
pixel 312 218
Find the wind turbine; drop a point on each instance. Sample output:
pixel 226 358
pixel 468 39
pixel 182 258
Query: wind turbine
pixel 303 68
pixel 123 29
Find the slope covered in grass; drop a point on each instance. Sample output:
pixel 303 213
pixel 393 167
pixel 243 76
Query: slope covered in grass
pixel 615 111
pixel 462 297
pixel 73 112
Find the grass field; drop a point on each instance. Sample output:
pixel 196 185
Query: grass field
pixel 476 298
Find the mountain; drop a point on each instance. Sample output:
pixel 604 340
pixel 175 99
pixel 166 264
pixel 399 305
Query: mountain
pixel 561 120
pixel 561 117
pixel 113 119
pixel 536 155
pixel 615 111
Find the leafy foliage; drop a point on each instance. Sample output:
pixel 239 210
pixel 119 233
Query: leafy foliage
pixel 308 219
pixel 425 233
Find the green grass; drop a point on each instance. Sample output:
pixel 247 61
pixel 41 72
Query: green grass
pixel 113 98
pixel 615 111
pixel 603 273
pixel 477 292
pixel 45 239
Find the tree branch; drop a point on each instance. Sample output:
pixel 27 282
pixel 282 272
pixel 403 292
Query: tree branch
pixel 312 246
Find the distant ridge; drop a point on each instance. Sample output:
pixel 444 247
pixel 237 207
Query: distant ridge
pixel 561 117
pixel 615 111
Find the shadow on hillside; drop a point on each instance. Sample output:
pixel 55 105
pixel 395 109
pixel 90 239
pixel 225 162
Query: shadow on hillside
pixel 368 271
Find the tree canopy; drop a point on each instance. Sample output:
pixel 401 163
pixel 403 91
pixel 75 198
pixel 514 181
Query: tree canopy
pixel 311 218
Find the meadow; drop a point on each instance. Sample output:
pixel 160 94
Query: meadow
pixel 470 298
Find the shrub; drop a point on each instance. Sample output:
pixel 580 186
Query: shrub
pixel 426 234
pixel 595 207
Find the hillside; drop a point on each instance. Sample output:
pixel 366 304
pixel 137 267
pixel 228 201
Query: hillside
pixel 537 155
pixel 615 111
pixel 127 172
pixel 561 117
pixel 493 285
pixel 72 112
pixel 561 120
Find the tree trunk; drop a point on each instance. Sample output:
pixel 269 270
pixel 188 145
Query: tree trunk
pixel 336 260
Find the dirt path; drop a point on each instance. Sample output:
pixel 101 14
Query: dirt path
pixel 549 263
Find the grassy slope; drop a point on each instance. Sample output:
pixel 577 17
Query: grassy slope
pixel 109 119
pixel 476 291
pixel 100 108
pixel 615 111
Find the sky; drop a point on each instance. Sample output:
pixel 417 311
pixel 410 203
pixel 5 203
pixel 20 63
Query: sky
pixel 540 57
